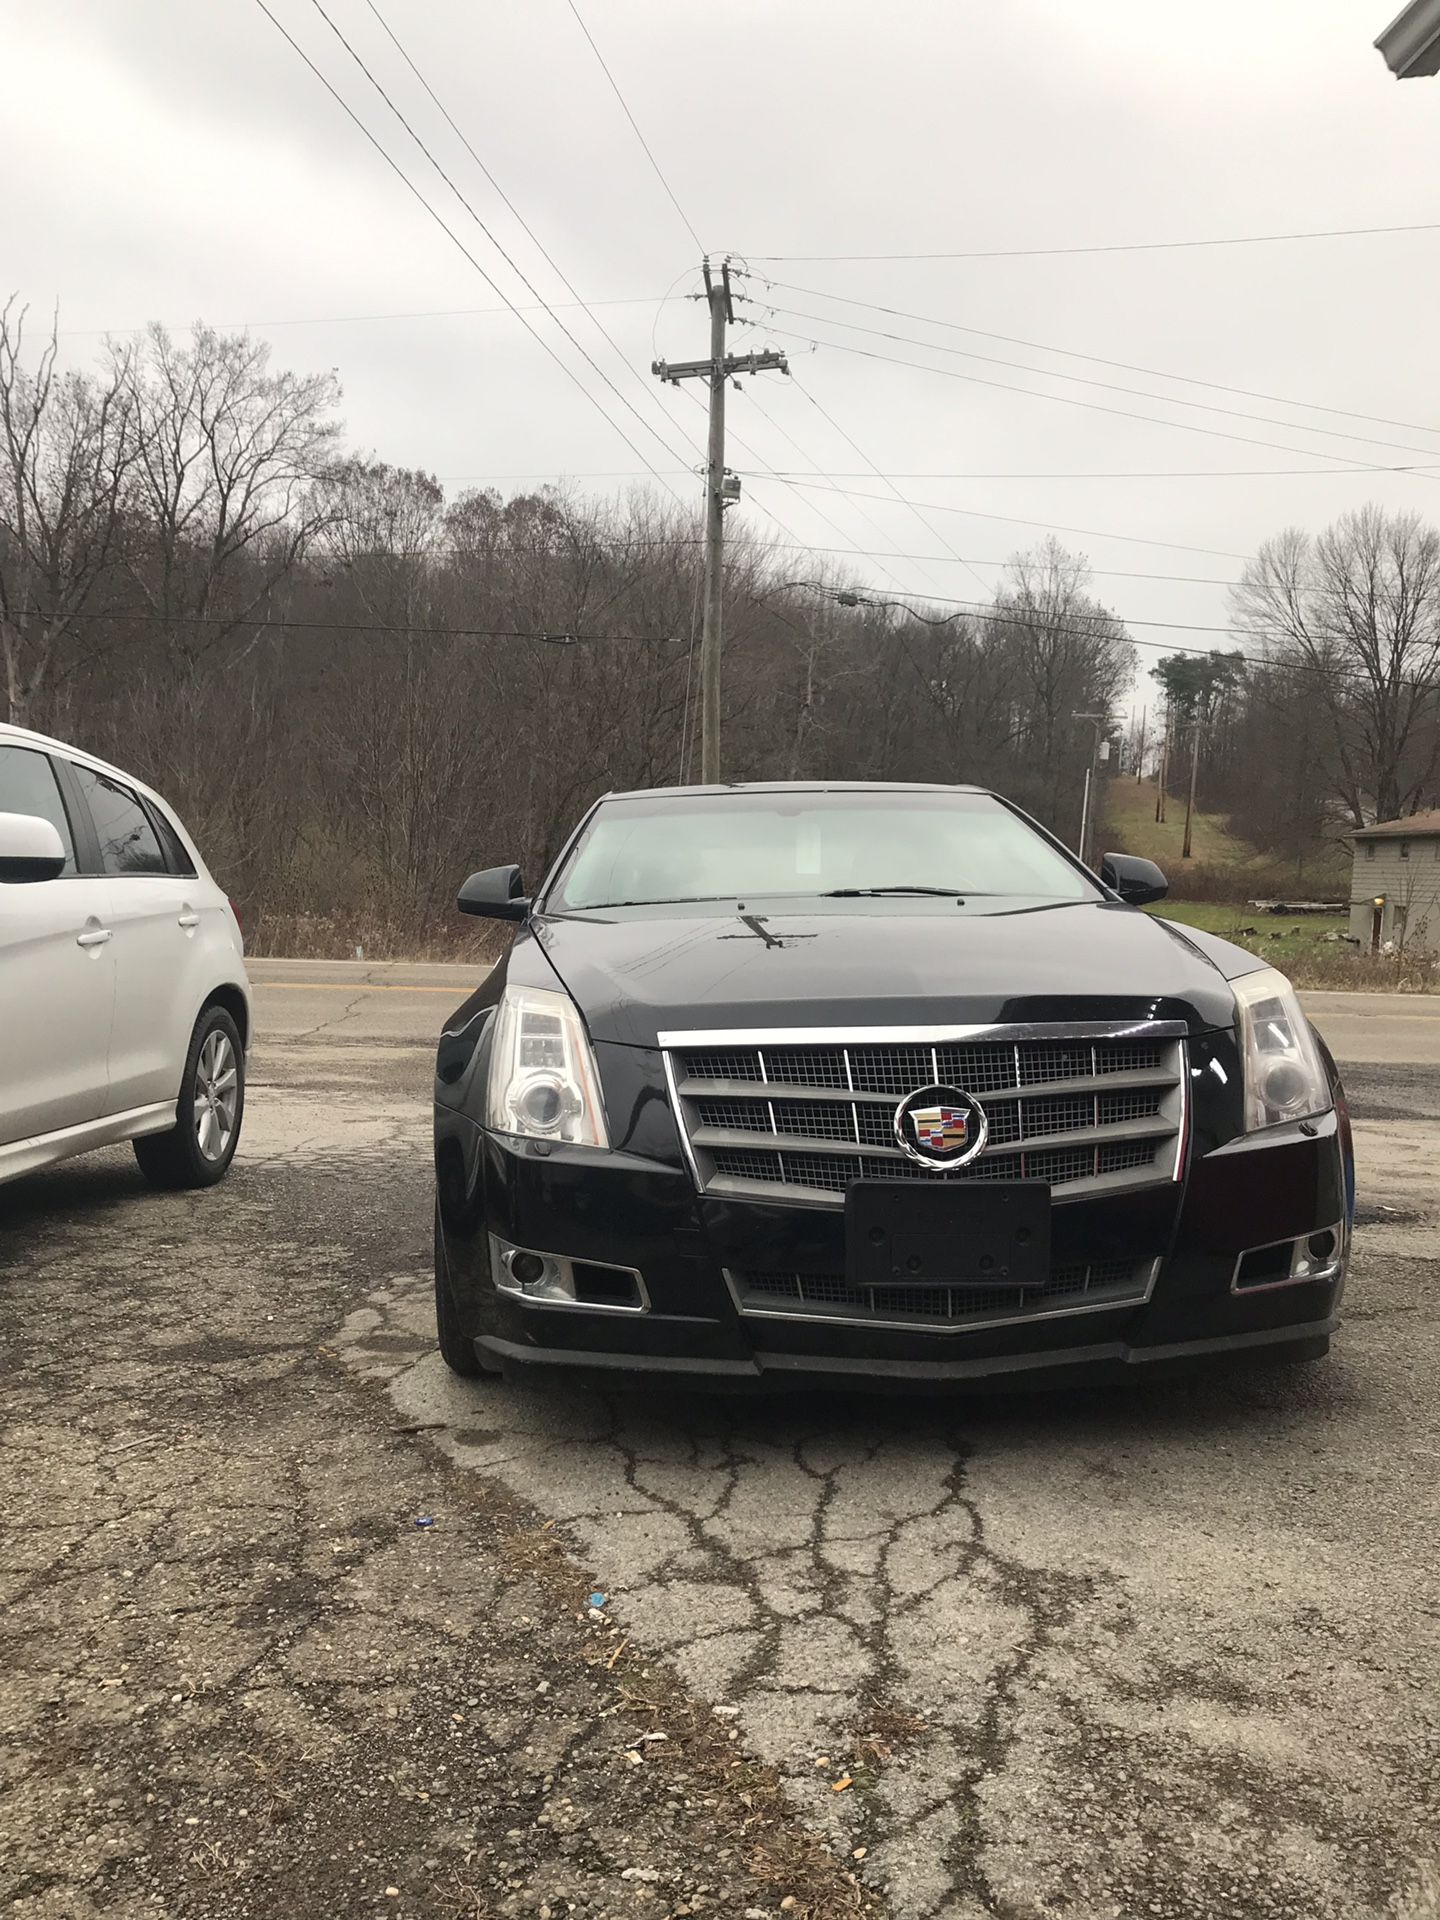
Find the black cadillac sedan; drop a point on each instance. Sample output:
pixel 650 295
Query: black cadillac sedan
pixel 871 1085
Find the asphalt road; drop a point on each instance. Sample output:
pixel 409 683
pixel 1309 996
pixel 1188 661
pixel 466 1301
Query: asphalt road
pixel 1164 1652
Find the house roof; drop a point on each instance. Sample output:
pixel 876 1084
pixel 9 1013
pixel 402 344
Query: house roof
pixel 1415 826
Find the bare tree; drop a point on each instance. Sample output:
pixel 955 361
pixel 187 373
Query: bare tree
pixel 1357 613
pixel 67 448
pixel 1069 653
pixel 231 460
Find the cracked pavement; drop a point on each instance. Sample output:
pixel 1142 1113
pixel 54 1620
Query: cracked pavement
pixel 1166 1652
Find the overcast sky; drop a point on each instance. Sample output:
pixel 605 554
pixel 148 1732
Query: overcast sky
pixel 173 162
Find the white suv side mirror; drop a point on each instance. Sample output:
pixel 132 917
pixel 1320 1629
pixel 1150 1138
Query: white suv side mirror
pixel 30 848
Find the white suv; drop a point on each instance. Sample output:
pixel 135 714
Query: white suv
pixel 124 1007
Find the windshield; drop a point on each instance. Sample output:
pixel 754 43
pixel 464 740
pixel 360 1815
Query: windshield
pixel 668 847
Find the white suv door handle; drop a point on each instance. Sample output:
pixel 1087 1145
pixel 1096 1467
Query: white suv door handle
pixel 189 920
pixel 95 938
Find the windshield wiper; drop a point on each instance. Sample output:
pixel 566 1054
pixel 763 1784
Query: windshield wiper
pixel 867 893
pixel 671 900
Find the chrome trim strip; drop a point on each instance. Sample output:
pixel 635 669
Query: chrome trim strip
pixel 1321 1275
pixel 1117 1133
pixel 682 1127
pixel 567 1261
pixel 730 1186
pixel 924 1036
pixel 1182 1118
pixel 977 1325
pixel 1131 1079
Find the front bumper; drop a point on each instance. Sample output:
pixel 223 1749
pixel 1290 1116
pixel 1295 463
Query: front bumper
pixel 1102 1364
pixel 631 1212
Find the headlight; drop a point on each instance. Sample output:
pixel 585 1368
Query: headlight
pixel 543 1081
pixel 1284 1077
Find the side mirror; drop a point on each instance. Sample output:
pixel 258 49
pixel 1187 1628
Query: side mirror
pixel 30 848
pixel 1137 881
pixel 496 894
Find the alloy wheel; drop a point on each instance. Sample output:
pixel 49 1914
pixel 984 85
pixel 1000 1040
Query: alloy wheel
pixel 217 1095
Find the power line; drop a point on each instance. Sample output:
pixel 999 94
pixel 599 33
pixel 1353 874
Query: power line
pixel 456 241
pixel 968 609
pixel 544 251
pixel 1070 353
pixel 1069 400
pixel 770 512
pixel 554 637
pixel 1045 526
pixel 1108 573
pixel 355 319
pixel 615 89
pixel 1109 386
pixel 931 473
pixel 1133 246
pixel 864 512
pixel 620 543
pixel 1146 473
pixel 1033 621
pixel 516 270
pixel 851 442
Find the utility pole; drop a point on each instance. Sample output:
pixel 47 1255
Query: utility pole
pixel 1163 773
pixel 1194 775
pixel 721 489
pixel 1088 806
pixel 1140 752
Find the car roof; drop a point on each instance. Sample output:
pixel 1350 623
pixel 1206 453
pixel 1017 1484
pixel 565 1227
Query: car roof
pixel 23 736
pixel 799 786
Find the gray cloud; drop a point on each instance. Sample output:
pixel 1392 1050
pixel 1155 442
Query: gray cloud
pixel 181 162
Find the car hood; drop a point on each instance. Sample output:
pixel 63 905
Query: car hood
pixel 882 964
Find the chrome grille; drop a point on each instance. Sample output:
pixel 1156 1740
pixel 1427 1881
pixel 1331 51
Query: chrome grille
pixel 1089 1109
pixel 1075 1288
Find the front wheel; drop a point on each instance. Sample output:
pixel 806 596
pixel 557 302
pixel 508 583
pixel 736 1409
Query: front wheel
pixel 198 1149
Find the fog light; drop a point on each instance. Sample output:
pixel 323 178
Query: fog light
pixel 555 1280
pixel 1288 1263
pixel 528 1268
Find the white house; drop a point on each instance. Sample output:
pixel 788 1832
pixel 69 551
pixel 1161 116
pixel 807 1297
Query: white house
pixel 1395 883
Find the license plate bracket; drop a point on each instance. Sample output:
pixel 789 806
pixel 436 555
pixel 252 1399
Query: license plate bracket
pixel 977 1234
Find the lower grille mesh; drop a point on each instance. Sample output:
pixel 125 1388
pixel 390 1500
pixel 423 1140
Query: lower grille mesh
pixel 827 1296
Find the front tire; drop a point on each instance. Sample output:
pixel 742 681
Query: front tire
pixel 457 1350
pixel 198 1149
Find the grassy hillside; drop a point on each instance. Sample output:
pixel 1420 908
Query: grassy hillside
pixel 1130 818
pixel 1221 867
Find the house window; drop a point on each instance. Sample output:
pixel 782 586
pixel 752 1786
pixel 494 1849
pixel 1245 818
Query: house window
pixel 1370 849
pixel 1404 849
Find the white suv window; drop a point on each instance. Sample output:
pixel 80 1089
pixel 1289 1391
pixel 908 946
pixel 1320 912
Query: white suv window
pixel 128 842
pixel 28 785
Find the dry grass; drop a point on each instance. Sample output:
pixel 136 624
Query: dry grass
pixel 363 935
pixel 1343 969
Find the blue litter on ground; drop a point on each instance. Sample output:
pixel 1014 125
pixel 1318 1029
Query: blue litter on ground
pixel 597 1599
pixel 424 1520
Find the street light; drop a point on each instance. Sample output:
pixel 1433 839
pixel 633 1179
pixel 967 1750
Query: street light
pixel 1411 42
